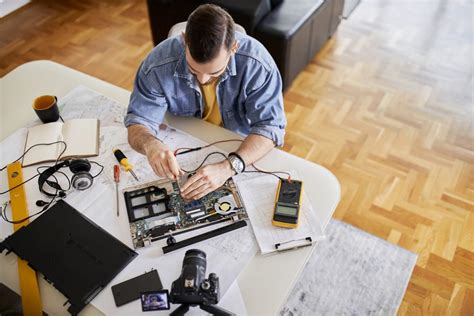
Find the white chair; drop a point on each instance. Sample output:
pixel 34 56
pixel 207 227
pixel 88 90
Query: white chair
pixel 180 27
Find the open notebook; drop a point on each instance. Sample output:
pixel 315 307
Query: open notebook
pixel 80 135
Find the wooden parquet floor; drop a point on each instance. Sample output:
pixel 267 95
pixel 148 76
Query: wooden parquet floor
pixel 386 106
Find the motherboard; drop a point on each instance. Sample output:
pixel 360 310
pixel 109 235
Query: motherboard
pixel 156 210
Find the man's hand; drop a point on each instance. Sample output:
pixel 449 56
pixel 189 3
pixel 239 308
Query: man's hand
pixel 162 159
pixel 206 180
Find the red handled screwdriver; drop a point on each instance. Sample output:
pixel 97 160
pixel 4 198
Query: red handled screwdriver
pixel 117 180
pixel 122 159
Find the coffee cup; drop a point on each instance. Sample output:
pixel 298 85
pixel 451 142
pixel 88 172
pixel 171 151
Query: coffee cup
pixel 46 107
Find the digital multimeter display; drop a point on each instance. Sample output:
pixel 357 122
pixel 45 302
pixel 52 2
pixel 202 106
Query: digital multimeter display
pixel 285 210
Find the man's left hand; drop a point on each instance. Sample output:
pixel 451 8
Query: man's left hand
pixel 206 180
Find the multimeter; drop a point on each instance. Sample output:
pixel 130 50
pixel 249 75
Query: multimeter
pixel 287 204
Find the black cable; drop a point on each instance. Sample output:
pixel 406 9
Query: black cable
pixel 101 168
pixel 49 182
pixel 265 172
pixel 31 147
pixel 19 185
pixel 257 170
pixel 45 208
pixel 273 173
pixel 40 144
pixel 202 163
pixel 3 210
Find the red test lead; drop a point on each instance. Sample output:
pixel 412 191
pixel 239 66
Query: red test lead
pixel 117 180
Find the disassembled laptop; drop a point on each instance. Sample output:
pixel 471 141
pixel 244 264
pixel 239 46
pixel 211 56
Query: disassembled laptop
pixel 156 210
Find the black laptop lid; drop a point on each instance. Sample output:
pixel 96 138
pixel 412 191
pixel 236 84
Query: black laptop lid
pixel 74 254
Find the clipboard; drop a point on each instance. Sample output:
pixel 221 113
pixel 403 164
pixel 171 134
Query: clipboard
pixel 258 195
pixel 294 244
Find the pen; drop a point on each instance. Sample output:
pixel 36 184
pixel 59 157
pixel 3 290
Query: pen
pixel 117 180
pixel 122 159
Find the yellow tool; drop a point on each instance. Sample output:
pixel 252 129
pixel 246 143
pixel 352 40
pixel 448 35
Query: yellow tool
pixel 30 295
pixel 287 204
pixel 122 159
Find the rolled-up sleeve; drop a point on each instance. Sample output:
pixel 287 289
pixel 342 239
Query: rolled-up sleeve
pixel 147 104
pixel 264 107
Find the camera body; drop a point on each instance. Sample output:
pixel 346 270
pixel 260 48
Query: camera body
pixel 192 287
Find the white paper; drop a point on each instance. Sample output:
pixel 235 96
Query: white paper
pixel 227 254
pixel 258 195
pixel 83 102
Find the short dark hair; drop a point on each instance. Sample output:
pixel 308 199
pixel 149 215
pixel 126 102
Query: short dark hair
pixel 208 28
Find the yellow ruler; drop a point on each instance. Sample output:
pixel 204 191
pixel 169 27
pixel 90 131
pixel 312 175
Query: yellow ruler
pixel 30 295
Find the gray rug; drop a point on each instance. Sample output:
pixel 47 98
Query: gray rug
pixel 351 273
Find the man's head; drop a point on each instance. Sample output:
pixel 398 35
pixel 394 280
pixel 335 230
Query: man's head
pixel 210 41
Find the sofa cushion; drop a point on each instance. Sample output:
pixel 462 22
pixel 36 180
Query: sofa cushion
pixel 290 16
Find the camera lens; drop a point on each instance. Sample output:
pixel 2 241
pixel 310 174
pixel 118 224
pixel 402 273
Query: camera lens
pixel 195 257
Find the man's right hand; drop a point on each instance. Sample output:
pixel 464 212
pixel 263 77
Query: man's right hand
pixel 162 160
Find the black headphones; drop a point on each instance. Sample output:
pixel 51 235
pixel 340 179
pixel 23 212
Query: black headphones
pixel 81 179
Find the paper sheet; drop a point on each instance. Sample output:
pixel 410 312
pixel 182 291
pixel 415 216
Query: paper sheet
pixel 227 254
pixel 258 195
pixel 82 102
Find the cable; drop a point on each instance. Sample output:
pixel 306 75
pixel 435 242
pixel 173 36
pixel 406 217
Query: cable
pixel 31 147
pixel 101 168
pixel 3 212
pixel 19 185
pixel 204 160
pixel 51 184
pixel 273 173
pixel 3 209
pixel 40 144
pixel 188 149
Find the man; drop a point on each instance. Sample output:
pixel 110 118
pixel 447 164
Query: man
pixel 219 75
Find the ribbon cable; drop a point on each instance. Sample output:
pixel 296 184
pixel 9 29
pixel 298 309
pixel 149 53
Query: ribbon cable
pixel 30 295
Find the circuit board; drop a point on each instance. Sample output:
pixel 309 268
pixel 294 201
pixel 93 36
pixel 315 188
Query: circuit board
pixel 156 210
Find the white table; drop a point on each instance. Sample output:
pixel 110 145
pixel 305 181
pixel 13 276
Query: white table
pixel 266 282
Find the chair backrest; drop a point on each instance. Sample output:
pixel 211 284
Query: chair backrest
pixel 179 28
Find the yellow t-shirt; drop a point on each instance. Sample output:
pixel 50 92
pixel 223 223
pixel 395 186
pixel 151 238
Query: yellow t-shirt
pixel 211 106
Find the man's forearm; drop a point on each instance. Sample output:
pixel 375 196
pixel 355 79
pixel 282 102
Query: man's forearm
pixel 254 147
pixel 139 137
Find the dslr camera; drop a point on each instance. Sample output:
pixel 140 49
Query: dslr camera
pixel 192 288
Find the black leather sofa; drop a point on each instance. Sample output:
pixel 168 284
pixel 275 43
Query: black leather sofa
pixel 293 31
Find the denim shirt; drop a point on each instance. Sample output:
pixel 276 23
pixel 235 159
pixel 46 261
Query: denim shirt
pixel 249 92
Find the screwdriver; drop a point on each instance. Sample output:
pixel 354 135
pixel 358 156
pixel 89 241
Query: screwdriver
pixel 122 159
pixel 117 180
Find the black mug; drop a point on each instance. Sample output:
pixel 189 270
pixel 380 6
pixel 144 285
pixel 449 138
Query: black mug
pixel 46 107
